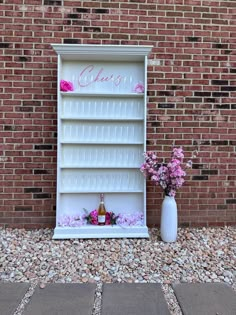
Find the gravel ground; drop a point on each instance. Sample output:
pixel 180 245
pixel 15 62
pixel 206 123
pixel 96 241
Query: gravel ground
pixel 199 255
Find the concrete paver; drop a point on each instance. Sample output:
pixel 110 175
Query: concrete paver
pixel 118 299
pixel 11 295
pixel 62 299
pixel 133 299
pixel 206 298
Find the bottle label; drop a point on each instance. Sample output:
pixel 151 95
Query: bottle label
pixel 101 218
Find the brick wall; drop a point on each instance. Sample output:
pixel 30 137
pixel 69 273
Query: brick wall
pixel 191 94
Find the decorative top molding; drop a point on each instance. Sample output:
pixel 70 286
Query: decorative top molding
pixel 111 52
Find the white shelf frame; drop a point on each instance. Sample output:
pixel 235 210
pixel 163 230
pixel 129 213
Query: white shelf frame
pixel 103 53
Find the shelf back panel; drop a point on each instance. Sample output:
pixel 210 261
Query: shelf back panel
pixel 101 155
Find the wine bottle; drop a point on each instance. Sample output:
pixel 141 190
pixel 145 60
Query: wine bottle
pixel 101 211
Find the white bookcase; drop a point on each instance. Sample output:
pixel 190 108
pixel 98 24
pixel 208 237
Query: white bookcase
pixel 101 136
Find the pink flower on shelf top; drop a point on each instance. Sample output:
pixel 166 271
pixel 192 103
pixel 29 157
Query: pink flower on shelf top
pixel 66 86
pixel 169 176
pixel 139 88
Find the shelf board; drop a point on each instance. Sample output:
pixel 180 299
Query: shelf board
pixel 99 143
pixel 98 191
pixel 97 94
pixel 90 231
pixel 98 167
pixel 102 119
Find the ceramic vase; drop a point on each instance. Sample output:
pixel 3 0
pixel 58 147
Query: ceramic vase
pixel 169 220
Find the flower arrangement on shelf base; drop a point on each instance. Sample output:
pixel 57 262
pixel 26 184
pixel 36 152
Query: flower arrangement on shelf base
pixel 123 220
pixel 170 176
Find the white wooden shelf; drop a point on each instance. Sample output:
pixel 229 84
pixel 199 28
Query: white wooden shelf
pixel 101 136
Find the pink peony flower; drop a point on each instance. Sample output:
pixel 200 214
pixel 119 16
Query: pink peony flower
pixel 139 88
pixel 94 217
pixel 108 218
pixel 66 86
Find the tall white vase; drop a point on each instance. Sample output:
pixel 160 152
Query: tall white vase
pixel 169 219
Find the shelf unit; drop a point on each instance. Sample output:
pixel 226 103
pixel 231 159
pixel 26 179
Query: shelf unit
pixel 101 136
